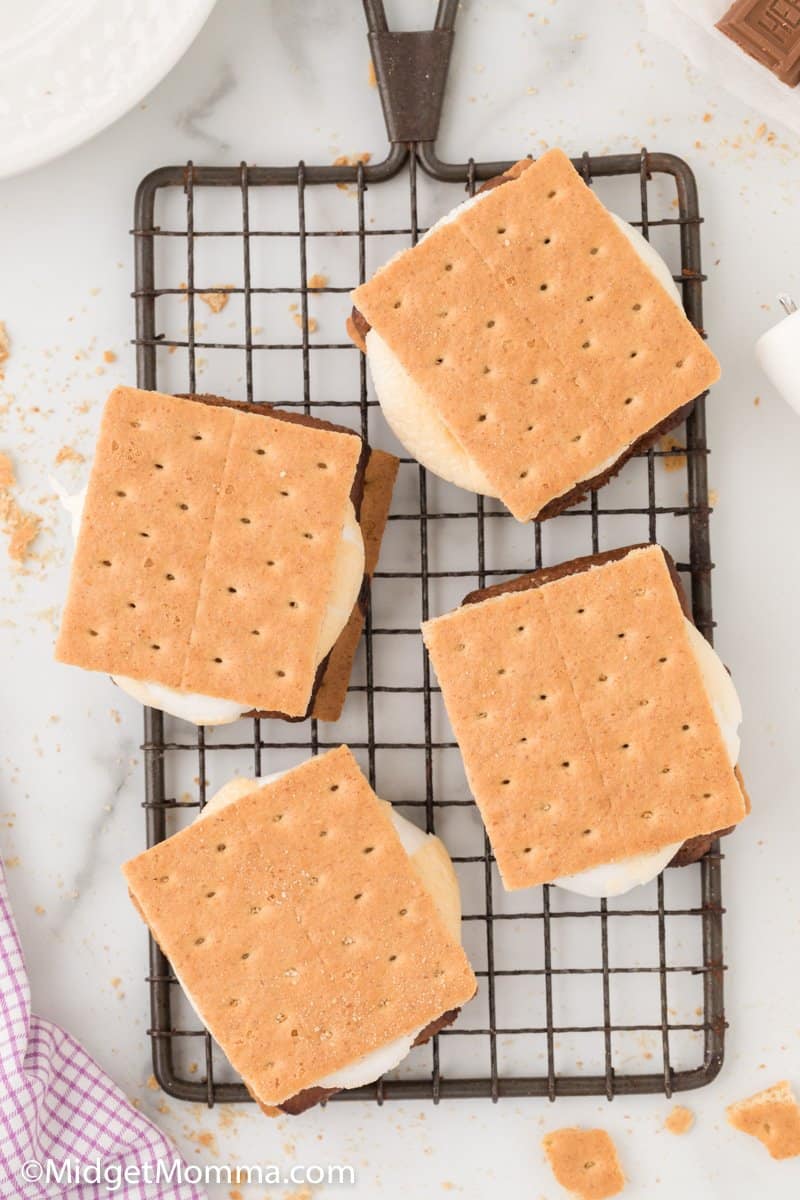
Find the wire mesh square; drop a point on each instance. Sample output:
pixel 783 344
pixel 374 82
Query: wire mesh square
pixel 576 997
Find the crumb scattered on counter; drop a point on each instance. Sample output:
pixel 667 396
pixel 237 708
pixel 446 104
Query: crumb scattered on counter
pixel 109 356
pixel 40 912
pixel 584 1161
pixel 757 401
pixel 152 1083
pixel 713 497
pixel 672 462
pixel 312 323
pixel 6 472
pixel 5 347
pixel 772 1116
pixel 216 301
pixel 350 160
pixel 372 78
pixel 21 528
pixel 707 117
pixel 679 1120
pixel 317 281
pixel 69 454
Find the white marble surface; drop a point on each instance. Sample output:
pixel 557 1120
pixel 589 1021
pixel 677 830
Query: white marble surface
pixel 267 81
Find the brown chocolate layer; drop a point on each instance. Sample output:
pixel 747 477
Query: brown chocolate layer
pixel 358 327
pixel 308 1097
pixel 769 32
pixel 356 493
pixel 694 848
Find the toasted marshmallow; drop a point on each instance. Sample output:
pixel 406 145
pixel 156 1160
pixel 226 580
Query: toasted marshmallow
pixel 414 420
pixel 211 710
pixel 614 879
pixel 432 863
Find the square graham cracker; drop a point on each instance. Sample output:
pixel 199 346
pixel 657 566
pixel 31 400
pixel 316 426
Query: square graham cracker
pixel 379 480
pixel 582 717
pixel 537 333
pixel 207 548
pixel 296 922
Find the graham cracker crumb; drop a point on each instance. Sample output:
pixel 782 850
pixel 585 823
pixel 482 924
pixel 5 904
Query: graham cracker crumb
pixel 757 401
pixel 317 281
pixel 109 356
pixel 350 160
pixel 20 527
pixel 6 472
pixel 584 1161
pixel 312 323
pixel 679 1120
pixel 152 1083
pixel 772 1116
pixel 5 346
pixel 673 462
pixel 69 454
pixel 707 117
pixel 39 910
pixel 372 78
pixel 216 301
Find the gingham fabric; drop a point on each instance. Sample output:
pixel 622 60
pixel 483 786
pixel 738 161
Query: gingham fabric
pixel 57 1105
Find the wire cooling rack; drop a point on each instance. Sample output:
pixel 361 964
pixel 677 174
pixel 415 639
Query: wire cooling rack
pixel 576 997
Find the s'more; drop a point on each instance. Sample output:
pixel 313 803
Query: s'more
pixel 598 728
pixel 531 342
pixel 221 556
pixel 315 931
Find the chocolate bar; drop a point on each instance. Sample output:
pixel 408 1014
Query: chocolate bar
pixel 769 31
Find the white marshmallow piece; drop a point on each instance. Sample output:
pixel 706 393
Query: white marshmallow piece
pixel 778 352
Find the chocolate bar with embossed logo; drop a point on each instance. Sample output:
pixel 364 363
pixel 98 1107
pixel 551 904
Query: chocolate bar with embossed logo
pixel 769 31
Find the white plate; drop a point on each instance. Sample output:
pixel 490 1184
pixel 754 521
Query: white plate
pixel 68 68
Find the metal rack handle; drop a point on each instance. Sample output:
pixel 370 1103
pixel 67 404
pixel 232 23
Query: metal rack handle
pixel 411 71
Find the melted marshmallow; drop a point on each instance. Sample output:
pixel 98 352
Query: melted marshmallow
pixel 432 863
pixel 414 420
pixel 213 710
pixel 614 879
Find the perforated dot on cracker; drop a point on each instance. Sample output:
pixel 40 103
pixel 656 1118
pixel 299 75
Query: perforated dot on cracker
pixel 528 345
pixel 584 718
pixel 219 554
pixel 300 927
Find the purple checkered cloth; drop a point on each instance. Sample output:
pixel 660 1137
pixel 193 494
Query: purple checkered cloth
pixel 57 1105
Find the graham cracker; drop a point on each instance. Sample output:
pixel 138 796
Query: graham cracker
pixel 582 717
pixel 297 923
pixel 379 480
pixel 584 1161
pixel 772 1116
pixel 207 548
pixel 537 283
